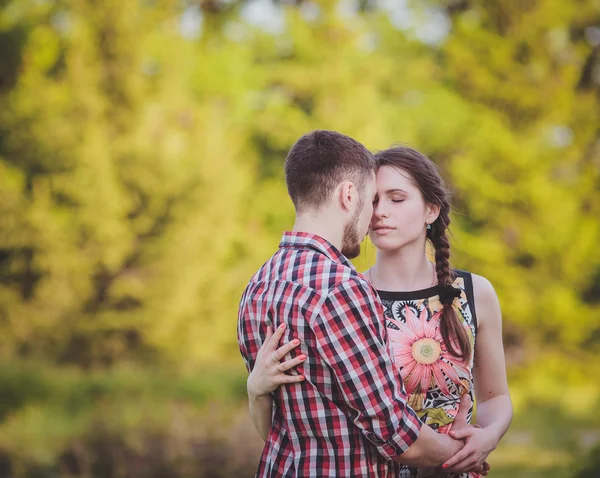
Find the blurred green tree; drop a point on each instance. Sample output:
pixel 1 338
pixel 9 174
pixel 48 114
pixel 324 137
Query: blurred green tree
pixel 141 184
pixel 142 146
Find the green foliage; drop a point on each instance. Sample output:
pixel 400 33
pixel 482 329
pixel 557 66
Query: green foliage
pixel 591 465
pixel 141 184
pixel 55 419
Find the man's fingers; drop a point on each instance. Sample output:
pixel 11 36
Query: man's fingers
pixel 475 466
pixel 463 411
pixel 459 457
pixel 466 465
pixel 485 468
pixel 462 433
pixel 471 464
pixel 288 364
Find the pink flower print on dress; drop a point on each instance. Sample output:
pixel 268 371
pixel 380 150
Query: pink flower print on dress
pixel 420 352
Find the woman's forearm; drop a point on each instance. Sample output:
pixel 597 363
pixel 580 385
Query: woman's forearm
pixel 495 415
pixel 261 412
pixel 268 373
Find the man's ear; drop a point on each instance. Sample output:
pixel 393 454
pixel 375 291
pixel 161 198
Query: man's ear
pixel 433 211
pixel 347 195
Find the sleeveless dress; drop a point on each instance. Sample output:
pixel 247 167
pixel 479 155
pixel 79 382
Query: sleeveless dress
pixel 434 379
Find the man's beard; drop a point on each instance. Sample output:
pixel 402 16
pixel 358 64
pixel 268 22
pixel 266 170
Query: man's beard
pixel 350 240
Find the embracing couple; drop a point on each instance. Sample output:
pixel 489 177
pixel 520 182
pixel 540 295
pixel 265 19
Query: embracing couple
pixel 372 374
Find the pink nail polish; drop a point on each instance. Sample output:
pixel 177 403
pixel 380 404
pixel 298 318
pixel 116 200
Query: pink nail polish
pixel 282 326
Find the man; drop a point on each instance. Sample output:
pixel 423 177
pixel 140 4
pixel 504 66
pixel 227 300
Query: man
pixel 349 416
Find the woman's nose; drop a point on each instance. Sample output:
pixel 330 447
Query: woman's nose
pixel 380 212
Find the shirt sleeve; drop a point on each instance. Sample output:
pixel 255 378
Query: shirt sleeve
pixel 351 339
pixel 245 333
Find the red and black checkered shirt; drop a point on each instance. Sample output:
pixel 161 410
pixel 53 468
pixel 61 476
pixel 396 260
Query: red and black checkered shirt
pixel 349 417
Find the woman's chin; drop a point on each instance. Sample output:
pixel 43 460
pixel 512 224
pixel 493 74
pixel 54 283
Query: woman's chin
pixel 384 243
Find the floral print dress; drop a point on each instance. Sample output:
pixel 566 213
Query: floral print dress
pixel 434 379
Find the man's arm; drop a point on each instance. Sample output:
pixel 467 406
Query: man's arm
pixel 350 335
pixel 430 450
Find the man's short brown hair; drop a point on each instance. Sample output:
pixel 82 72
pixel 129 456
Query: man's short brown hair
pixel 319 161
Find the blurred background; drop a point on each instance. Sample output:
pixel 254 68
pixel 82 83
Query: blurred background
pixel 141 185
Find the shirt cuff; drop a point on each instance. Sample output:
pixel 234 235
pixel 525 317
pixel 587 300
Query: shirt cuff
pixel 402 440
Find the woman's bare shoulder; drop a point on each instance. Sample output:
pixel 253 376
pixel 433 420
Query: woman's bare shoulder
pixel 486 299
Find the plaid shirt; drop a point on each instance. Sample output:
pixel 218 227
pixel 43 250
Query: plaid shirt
pixel 349 417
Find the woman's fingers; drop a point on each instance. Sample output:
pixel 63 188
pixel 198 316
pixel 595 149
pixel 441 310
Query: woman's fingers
pixel 274 354
pixel 275 338
pixel 286 349
pixel 288 364
pixel 290 378
pixel 265 345
pixel 267 338
pixel 461 456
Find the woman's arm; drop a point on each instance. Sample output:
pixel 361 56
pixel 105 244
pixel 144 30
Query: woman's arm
pixel 261 407
pixel 494 407
pixel 267 375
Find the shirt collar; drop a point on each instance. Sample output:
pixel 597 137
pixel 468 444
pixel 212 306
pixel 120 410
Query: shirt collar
pixel 306 239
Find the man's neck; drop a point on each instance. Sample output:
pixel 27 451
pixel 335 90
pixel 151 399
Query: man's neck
pixel 321 226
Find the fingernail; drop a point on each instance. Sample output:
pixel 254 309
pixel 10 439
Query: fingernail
pixel 302 377
pixel 282 326
pixel 302 357
pixel 295 341
pixel 444 466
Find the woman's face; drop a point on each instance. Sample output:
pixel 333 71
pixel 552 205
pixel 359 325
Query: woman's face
pixel 400 215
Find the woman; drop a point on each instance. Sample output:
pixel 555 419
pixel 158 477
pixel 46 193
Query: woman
pixel 444 325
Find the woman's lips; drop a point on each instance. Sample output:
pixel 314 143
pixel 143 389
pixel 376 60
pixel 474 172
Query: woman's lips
pixel 382 230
